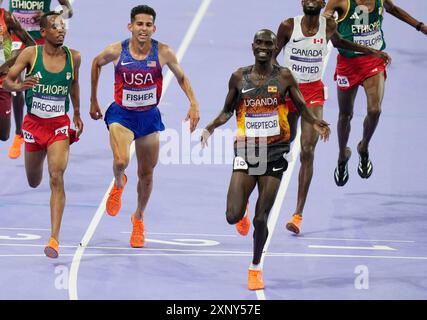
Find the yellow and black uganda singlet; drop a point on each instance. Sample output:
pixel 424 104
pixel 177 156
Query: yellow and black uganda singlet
pixel 262 117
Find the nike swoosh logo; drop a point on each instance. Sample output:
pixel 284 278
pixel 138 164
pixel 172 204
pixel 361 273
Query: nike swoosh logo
pixel 126 63
pixel 313 102
pixel 247 90
pixel 8 111
pixel 295 40
pixel 277 169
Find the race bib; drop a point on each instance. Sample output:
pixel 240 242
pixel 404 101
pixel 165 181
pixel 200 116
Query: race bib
pixel 28 137
pixel 16 45
pixel 48 106
pixel 343 82
pixel 62 130
pixel 134 98
pixel 262 124
pixel 27 19
pixel 372 39
pixel 240 164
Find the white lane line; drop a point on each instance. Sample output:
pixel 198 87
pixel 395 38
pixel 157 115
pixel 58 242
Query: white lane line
pixel 382 248
pixel 356 240
pixel 72 291
pixel 230 255
pixel 26 229
pixel 187 234
pixel 275 211
pixel 23 237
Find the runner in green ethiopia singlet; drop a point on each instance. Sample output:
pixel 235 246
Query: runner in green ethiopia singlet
pixel 6 40
pixel 25 12
pixel 362 27
pixel 50 97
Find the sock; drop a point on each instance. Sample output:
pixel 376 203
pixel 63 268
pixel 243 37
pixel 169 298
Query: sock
pixel 255 267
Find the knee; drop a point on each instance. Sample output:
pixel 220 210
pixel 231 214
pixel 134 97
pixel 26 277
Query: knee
pixel 146 175
pixel 234 214
pixel 345 116
pixel 121 163
pixel 57 178
pixel 260 221
pixel 34 183
pixel 374 112
pixel 307 152
pixel 4 136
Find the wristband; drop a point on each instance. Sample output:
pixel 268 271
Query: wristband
pixel 419 25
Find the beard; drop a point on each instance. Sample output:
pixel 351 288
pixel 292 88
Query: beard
pixel 312 12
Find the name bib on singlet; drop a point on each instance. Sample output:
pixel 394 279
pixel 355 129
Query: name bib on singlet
pixel 262 124
pixel 27 19
pixel 48 106
pixel 134 98
pixel 373 39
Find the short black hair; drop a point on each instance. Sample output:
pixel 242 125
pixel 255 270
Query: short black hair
pixel 44 20
pixel 142 9
pixel 271 33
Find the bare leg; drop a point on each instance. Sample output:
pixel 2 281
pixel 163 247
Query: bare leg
pixel 309 138
pixel 18 111
pixel 57 159
pixel 147 154
pixel 239 191
pixel 346 105
pixel 267 189
pixel 4 128
pixel 120 141
pixel 374 89
pixel 34 167
pixel 293 124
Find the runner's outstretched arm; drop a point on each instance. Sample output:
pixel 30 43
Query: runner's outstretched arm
pixel 227 112
pixel 404 16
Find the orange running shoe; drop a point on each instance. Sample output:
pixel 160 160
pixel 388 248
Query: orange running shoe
pixel 137 238
pixel 255 281
pixel 15 148
pixel 52 248
pixel 294 225
pixel 114 201
pixel 244 224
